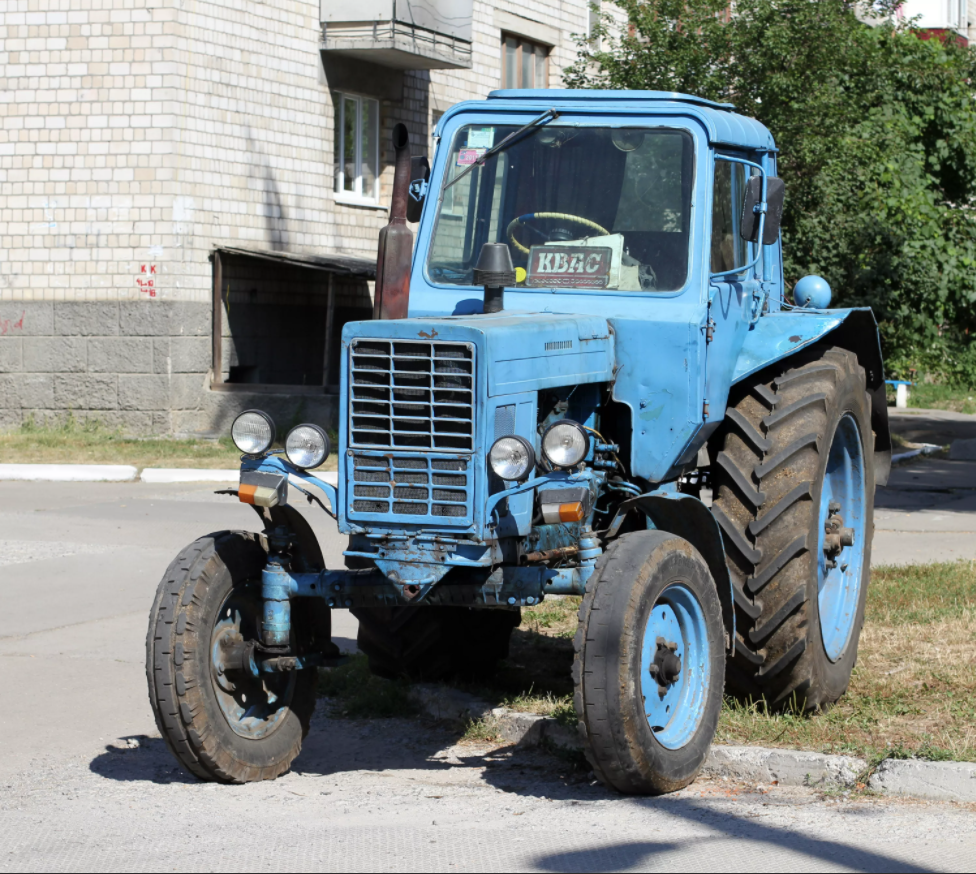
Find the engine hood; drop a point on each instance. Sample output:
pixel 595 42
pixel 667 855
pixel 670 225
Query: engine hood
pixel 524 351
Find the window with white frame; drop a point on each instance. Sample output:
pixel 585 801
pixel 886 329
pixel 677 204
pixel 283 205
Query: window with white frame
pixel 357 150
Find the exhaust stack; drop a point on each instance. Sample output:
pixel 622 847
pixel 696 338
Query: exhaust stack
pixel 391 298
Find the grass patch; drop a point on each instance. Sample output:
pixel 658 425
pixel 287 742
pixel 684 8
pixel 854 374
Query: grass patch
pixel 76 441
pixel 482 731
pixel 356 694
pixel 930 396
pixel 913 691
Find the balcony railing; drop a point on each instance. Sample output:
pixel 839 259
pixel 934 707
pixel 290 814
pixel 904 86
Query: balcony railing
pixel 402 34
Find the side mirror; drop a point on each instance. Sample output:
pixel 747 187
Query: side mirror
pixel 419 174
pixel 775 195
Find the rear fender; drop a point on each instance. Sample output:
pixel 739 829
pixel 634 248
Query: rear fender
pixel 687 517
pixel 777 336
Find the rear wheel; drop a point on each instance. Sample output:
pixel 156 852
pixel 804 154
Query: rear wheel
pixel 222 724
pixel 650 659
pixel 795 501
pixel 432 643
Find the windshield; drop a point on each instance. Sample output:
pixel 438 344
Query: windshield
pixel 579 207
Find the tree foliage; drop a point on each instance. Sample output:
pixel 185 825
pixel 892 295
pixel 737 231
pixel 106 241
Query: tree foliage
pixel 877 135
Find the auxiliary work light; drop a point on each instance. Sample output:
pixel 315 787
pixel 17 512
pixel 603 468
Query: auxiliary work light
pixel 307 446
pixel 565 443
pixel 512 458
pixel 253 432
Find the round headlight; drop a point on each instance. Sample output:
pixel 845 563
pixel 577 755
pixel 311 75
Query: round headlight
pixel 511 458
pixel 565 443
pixel 253 432
pixel 307 446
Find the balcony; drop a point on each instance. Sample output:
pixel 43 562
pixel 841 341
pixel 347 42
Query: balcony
pixel 400 34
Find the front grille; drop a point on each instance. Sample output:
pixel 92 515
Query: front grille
pixel 405 487
pixel 411 395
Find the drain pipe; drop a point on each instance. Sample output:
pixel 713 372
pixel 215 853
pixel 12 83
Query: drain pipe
pixel 391 298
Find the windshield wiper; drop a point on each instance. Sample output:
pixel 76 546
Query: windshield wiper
pixel 548 115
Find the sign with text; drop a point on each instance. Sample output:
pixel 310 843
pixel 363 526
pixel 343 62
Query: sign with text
pixel 569 267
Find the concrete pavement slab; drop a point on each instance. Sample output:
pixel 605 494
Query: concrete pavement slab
pixel 933 474
pixel 931 426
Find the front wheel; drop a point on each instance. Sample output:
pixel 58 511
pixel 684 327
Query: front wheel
pixel 650 662
pixel 221 724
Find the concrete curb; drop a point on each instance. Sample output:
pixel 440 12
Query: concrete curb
pixel 69 473
pixel 936 781
pixel 188 475
pixel 91 473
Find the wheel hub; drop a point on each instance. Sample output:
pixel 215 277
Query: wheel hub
pixel 836 536
pixel 666 668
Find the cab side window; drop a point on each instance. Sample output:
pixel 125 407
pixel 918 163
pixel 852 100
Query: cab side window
pixel 728 248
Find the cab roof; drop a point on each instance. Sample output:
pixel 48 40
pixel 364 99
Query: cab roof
pixel 725 126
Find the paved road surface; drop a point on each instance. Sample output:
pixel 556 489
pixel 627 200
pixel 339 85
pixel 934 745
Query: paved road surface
pixel 87 785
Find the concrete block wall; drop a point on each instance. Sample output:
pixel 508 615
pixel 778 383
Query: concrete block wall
pixel 138 366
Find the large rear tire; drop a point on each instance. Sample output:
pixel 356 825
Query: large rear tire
pixel 221 727
pixel 433 643
pixel 650 659
pixel 796 460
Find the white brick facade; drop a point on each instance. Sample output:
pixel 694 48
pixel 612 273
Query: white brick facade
pixel 142 133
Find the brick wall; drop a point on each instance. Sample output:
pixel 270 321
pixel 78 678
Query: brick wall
pixel 136 136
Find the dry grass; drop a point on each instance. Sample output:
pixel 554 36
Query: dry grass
pixel 76 442
pixel 913 691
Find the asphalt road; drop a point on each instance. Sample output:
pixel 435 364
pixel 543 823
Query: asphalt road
pixel 87 784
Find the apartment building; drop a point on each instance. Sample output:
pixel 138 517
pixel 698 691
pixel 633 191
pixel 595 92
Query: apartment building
pixel 191 190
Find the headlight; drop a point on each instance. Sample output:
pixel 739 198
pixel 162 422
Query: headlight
pixel 565 443
pixel 307 446
pixel 511 458
pixel 253 432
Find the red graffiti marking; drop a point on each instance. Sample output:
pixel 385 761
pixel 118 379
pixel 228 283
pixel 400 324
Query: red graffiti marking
pixel 6 325
pixel 147 285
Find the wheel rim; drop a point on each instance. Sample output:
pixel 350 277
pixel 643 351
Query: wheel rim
pixel 840 567
pixel 253 703
pixel 674 704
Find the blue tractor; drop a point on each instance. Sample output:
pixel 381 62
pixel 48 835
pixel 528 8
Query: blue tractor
pixel 584 379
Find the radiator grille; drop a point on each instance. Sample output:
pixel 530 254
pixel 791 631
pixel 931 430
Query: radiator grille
pixel 405 487
pixel 411 395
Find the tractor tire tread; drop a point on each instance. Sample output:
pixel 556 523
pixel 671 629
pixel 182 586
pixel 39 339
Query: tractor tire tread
pixel 791 405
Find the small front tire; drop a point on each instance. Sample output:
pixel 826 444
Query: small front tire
pixel 220 727
pixel 650 663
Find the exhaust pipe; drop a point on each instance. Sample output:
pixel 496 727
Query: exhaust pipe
pixel 391 298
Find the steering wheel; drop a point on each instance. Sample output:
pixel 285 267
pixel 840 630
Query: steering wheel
pixel 521 220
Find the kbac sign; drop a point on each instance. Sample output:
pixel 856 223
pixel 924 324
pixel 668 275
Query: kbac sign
pixel 569 267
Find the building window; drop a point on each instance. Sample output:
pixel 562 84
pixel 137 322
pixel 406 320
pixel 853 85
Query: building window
pixel 357 158
pixel 525 64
